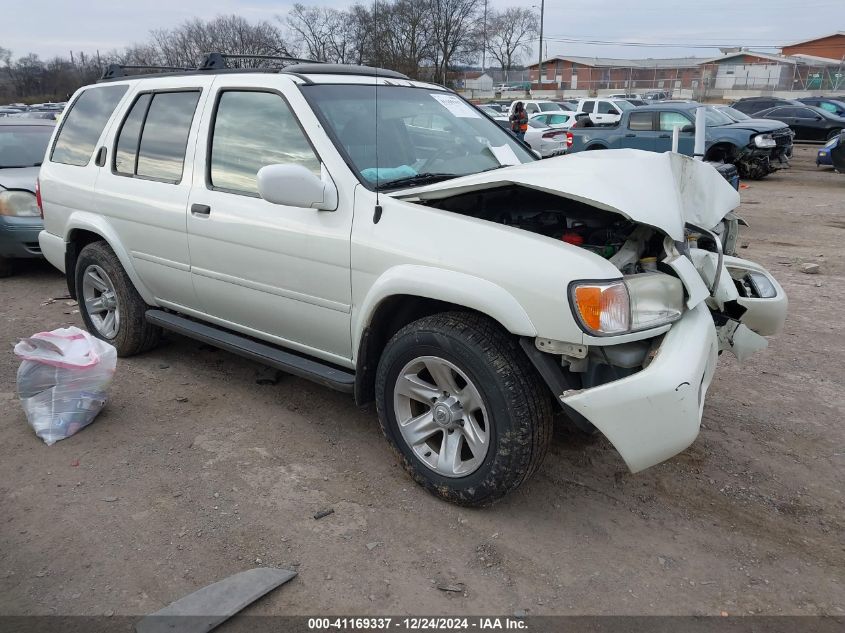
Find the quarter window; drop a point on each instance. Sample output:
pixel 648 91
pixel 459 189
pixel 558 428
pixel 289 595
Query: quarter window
pixel 83 124
pixel 589 106
pixel 252 130
pixel 152 141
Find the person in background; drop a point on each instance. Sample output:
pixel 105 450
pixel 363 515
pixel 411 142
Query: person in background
pixel 519 121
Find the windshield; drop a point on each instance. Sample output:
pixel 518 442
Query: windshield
pixel 714 117
pixel 549 107
pixel 734 114
pixel 23 145
pixel 623 105
pixel 423 135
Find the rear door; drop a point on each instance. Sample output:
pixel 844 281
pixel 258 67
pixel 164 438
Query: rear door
pixel 606 112
pixel 641 131
pixel 144 188
pixel 280 273
pixel 589 107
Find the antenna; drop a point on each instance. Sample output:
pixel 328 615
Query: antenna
pixel 377 211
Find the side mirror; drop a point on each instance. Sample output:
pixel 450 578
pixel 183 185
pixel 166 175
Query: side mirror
pixel 296 186
pixel 688 128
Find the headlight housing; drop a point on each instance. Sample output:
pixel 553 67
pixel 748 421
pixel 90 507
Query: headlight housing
pixel 634 303
pixel 18 203
pixel 764 140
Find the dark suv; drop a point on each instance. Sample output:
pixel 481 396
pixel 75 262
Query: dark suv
pixel 750 105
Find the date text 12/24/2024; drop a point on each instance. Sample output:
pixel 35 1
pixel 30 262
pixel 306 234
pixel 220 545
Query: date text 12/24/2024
pixel 416 623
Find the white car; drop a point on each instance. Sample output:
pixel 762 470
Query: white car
pixel 559 120
pixel 604 110
pixel 535 106
pixel 546 140
pixel 413 254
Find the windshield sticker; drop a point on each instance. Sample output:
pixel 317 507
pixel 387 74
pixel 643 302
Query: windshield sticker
pixel 457 107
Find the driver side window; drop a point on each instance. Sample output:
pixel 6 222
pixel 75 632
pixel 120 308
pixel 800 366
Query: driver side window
pixel 669 120
pixel 251 130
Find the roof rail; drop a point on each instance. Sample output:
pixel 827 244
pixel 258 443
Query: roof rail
pixel 216 61
pixel 114 71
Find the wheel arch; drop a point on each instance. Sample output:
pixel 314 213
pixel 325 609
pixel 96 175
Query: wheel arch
pixel 407 293
pixel 82 231
pixel 721 149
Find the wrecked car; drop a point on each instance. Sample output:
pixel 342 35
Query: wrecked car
pixel 757 147
pixel 382 237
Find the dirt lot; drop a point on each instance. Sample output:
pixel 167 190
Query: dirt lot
pixel 194 471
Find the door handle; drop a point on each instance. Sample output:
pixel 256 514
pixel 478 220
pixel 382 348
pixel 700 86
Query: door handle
pixel 665 136
pixel 101 157
pixel 630 136
pixel 201 209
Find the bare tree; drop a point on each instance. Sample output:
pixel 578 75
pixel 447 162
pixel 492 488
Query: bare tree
pixel 509 34
pixel 405 41
pixel 456 32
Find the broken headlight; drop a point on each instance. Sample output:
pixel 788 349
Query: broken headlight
pixel 638 302
pixel 764 140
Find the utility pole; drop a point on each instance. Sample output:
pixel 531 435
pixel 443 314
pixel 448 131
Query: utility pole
pixel 540 48
pixel 484 50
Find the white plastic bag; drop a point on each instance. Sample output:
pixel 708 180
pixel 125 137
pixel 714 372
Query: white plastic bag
pixel 63 379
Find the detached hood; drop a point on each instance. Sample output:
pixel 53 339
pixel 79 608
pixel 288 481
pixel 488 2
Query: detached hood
pixel 754 125
pixel 662 190
pixel 19 178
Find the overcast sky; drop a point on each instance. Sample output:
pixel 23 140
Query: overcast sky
pixel 54 27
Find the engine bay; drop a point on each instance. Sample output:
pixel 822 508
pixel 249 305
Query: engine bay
pixel 602 232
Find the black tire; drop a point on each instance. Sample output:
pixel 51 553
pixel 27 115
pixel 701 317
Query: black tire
pixel 518 405
pixel 833 134
pixel 134 334
pixel 5 267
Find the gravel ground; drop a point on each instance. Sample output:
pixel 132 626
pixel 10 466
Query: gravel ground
pixel 194 472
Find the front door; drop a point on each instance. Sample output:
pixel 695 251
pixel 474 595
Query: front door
pixel 276 272
pixel 666 123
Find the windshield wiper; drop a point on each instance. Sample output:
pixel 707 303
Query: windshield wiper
pixel 418 179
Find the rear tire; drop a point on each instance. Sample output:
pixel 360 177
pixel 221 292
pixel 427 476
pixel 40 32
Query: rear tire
pixel 482 407
pixel 100 276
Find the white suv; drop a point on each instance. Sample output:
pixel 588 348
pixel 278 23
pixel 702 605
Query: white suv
pixel 380 236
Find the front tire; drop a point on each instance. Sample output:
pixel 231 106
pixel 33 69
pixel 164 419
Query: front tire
pixel 110 306
pixel 462 407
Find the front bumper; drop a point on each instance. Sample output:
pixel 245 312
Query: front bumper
pixel 656 413
pixel 19 237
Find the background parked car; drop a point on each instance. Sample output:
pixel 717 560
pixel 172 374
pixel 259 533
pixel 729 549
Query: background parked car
pixel 560 120
pixel 750 105
pixel 567 105
pixel 604 110
pixel 496 114
pixel 23 143
pixel 546 140
pixel 533 106
pixel 808 123
pixel 823 156
pixel 834 106
pixel 656 95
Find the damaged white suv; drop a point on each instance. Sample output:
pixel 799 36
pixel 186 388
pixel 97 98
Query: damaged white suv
pixel 383 237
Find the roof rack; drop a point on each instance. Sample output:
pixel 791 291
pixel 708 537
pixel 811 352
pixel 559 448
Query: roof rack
pixel 113 71
pixel 217 61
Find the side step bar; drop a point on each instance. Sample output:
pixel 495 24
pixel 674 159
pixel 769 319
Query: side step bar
pixel 313 370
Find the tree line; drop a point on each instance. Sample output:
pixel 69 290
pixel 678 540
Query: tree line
pixel 423 39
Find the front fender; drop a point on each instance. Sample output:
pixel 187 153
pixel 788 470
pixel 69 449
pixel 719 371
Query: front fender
pixel 85 221
pixel 443 285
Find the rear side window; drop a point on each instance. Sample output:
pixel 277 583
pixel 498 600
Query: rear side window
pixel 251 130
pixel 589 106
pixel 82 126
pixel 152 141
pixel 642 121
